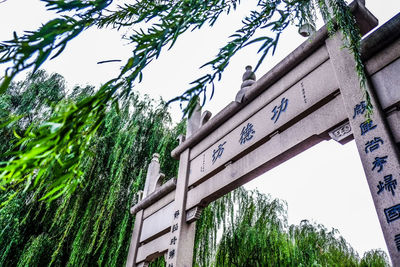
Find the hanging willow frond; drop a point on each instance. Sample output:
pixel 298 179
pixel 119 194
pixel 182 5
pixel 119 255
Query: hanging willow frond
pixel 60 143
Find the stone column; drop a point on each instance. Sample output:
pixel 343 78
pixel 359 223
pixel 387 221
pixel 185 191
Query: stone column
pixel 133 247
pixel 152 178
pixel 377 150
pixel 180 252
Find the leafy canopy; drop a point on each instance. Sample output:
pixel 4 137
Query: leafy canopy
pixel 62 140
pixel 92 225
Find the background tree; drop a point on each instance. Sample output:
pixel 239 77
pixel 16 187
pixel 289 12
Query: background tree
pixel 152 25
pixel 92 225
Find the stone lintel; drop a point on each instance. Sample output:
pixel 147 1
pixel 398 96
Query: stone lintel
pixel 166 188
pixel 281 69
pixel 381 38
pixel 153 249
pixel 302 135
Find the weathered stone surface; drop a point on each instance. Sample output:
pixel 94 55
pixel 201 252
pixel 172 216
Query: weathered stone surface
pixel 134 245
pixel 180 251
pixel 280 147
pixel 153 249
pixel 155 196
pixel 193 214
pixel 157 222
pixel 311 96
pixel 277 114
pixel 342 133
pixel 154 176
pixel 194 121
pixel 162 202
pixel 375 145
pixel 387 82
pixel 205 117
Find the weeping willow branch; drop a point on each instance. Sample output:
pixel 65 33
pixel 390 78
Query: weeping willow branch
pixel 60 143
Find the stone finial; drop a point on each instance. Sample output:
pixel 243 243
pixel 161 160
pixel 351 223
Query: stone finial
pixel 181 138
pixel 193 122
pixel 248 79
pixel 156 157
pixel 154 176
pixel 306 29
pixel 205 117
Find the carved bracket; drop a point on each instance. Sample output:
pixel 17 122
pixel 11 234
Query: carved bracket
pixel 193 214
pixel 342 134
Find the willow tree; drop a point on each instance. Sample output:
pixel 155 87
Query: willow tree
pixel 92 225
pixel 150 26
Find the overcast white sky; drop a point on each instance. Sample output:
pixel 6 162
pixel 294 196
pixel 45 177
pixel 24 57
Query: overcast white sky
pixel 325 184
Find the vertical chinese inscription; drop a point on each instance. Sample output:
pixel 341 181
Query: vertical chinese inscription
pixel 373 144
pixel 378 163
pixel 303 92
pixel 203 164
pixel 279 109
pixel 359 109
pixel 217 153
pixel 397 241
pixel 367 126
pixel 246 134
pixel 389 184
pixel 176 214
pixel 171 250
pixel 171 254
pixel 392 213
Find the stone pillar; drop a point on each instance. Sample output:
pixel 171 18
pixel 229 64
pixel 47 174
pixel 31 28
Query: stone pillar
pixel 248 78
pixel 152 178
pixel 180 252
pixel 377 150
pixel 133 247
pixel 194 121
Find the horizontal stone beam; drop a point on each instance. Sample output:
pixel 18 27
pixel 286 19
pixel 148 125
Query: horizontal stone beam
pixel 155 196
pixel 152 250
pixel 381 38
pixel 157 223
pixel 307 48
pixel 279 148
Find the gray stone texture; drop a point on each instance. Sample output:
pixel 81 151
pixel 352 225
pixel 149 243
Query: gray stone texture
pixel 322 89
pixel 382 189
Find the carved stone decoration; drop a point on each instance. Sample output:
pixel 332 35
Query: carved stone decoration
pixel 194 121
pixel 248 79
pixel 306 30
pixel 154 176
pixel 193 214
pixel 205 117
pixel 181 138
pixel 342 134
pixel 139 196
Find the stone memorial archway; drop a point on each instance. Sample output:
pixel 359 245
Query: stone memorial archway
pixel 312 95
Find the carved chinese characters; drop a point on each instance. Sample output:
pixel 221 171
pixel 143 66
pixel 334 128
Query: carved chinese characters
pixel 376 147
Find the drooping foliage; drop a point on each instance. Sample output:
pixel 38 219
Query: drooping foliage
pixel 92 226
pixel 253 231
pixel 150 25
